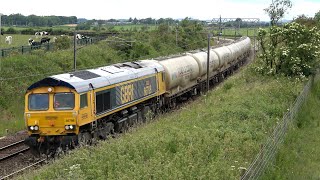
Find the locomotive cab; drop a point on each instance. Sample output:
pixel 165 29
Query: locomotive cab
pixel 53 111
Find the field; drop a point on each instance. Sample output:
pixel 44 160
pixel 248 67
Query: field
pixel 209 138
pixel 299 157
pixel 237 32
pixel 132 27
pixel 18 40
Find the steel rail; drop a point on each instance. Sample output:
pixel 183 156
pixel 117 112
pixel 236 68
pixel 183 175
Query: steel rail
pixel 10 145
pixel 14 154
pixel 23 169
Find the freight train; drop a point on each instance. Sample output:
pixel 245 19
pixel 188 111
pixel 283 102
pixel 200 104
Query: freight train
pixel 76 107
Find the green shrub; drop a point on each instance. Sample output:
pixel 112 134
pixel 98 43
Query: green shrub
pixel 292 50
pixel 62 42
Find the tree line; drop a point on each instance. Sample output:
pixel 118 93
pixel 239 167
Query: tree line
pixel 33 20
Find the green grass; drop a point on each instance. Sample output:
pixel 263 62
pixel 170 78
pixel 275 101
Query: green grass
pixel 299 158
pixel 209 138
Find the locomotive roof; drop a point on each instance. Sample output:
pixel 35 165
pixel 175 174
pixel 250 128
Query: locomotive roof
pixel 82 81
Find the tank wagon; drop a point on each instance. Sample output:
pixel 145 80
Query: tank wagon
pixel 67 109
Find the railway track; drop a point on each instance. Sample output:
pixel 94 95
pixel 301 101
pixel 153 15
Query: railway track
pixel 12 150
pixel 22 169
pixel 15 158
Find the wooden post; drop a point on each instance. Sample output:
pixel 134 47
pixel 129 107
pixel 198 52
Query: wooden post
pixel 208 61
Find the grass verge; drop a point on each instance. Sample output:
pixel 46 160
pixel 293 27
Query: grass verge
pixel 299 157
pixel 209 138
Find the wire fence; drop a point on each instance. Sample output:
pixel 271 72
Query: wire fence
pixel 45 46
pixel 269 150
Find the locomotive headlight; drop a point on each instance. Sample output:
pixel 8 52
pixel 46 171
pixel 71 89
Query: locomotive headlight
pixel 70 127
pixel 34 128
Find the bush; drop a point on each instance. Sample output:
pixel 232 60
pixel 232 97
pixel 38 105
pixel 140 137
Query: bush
pixel 62 43
pixel 28 31
pixel 11 30
pixel 292 50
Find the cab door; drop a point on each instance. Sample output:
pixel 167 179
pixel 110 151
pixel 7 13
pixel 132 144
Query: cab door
pixel 85 108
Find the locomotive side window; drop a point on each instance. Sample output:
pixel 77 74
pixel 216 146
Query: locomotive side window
pixel 103 101
pixel 39 102
pixel 83 100
pixel 63 101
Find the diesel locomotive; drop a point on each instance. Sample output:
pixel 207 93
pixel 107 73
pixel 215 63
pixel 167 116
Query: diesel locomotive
pixel 70 108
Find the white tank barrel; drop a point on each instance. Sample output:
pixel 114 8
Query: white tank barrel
pixel 235 51
pixel 180 71
pixel 224 55
pixel 201 58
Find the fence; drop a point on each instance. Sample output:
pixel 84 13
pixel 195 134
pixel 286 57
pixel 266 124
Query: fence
pixel 270 148
pixel 47 47
pixel 25 49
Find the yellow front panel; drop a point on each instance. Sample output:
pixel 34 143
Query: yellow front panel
pixel 51 121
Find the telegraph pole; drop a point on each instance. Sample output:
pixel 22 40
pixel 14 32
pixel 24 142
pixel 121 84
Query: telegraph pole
pixel 0 40
pixel 208 61
pixel 74 51
pixel 0 25
pixel 176 36
pixel 219 28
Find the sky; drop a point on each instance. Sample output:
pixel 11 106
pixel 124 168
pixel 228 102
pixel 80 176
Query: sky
pixel 123 9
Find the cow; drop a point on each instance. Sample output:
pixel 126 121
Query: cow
pixel 8 39
pixel 79 36
pixel 45 40
pixel 1 33
pixel 41 33
pixel 30 41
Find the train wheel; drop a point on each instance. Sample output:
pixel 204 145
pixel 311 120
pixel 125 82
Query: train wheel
pixel 84 138
pixel 109 129
pixel 124 127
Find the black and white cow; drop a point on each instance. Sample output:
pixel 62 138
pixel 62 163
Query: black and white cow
pixel 45 40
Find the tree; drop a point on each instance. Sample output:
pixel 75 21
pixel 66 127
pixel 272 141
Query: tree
pixel 277 9
pixel 296 52
pixel 307 21
pixel 317 17
pixel 291 50
pixel 135 21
